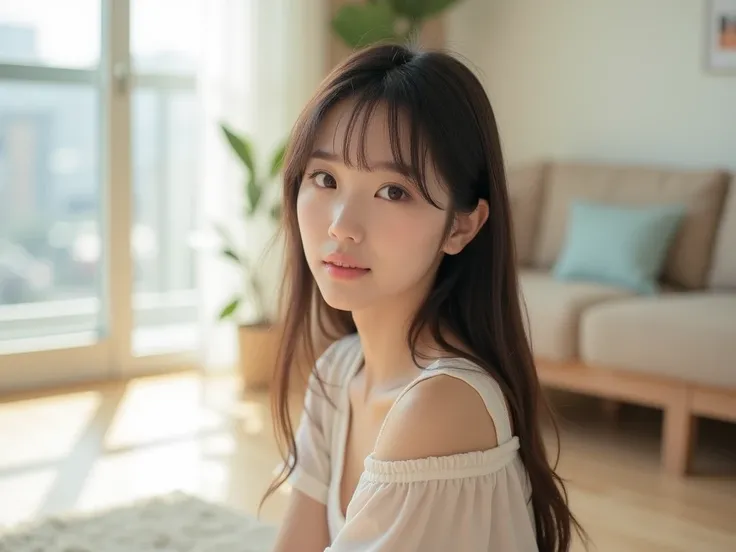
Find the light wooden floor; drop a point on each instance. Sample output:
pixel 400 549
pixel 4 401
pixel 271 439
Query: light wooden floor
pixel 103 445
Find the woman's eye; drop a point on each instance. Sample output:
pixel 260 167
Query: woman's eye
pixel 393 193
pixel 324 180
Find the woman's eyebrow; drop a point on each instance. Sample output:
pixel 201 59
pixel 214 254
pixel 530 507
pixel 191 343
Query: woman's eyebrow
pixel 392 166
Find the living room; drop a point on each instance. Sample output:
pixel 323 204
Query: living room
pixel 139 317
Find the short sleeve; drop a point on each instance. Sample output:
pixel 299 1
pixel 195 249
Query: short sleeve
pixel 312 473
pixel 321 402
pixel 474 501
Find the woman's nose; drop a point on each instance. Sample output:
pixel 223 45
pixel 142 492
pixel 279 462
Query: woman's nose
pixel 346 224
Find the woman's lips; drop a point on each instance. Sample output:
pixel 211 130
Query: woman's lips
pixel 344 272
pixel 344 267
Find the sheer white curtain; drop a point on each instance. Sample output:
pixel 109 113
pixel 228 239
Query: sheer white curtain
pixel 261 61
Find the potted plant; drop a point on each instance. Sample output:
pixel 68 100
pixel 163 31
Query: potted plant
pixel 258 333
pixel 361 24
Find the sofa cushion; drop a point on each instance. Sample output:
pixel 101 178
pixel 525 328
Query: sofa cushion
pixel 701 192
pixel 723 270
pixel 621 246
pixel 688 336
pixel 525 188
pixel 554 309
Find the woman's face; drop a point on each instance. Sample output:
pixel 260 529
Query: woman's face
pixel 374 220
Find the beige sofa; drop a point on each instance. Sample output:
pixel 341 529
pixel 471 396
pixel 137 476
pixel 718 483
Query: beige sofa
pixel 675 350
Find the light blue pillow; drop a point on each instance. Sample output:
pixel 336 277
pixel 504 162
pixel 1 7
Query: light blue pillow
pixel 623 246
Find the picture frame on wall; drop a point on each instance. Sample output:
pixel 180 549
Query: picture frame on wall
pixel 721 37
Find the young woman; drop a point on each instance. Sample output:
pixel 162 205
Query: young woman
pixel 421 428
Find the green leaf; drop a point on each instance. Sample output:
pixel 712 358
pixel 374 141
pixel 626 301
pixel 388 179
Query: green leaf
pixel 276 212
pixel 231 254
pixel 229 309
pixel 253 192
pixel 420 9
pixel 359 25
pixel 277 162
pixel 243 148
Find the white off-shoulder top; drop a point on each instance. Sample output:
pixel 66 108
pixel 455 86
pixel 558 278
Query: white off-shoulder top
pixel 477 501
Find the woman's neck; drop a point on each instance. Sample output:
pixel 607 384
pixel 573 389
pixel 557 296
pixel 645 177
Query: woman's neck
pixel 383 332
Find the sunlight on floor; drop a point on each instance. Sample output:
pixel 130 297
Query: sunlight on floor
pixel 151 411
pixel 22 495
pixel 86 450
pixel 58 424
pixel 140 473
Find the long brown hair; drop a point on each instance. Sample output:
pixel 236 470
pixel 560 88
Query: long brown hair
pixel 476 293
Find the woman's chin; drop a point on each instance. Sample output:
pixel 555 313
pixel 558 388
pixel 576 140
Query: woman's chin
pixel 344 299
pixel 339 301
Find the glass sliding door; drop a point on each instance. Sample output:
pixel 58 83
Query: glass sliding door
pixel 52 225
pixel 98 168
pixel 166 131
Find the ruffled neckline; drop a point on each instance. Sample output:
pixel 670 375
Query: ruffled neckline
pixel 455 466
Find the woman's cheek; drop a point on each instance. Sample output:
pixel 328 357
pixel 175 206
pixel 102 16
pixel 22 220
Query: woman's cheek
pixel 419 228
pixel 306 202
pixel 307 212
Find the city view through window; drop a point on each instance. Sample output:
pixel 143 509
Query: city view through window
pixel 53 218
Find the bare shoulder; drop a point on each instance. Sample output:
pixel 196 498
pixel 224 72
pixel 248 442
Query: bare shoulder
pixel 439 416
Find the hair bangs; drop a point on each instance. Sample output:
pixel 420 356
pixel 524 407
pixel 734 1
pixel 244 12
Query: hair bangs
pixel 405 124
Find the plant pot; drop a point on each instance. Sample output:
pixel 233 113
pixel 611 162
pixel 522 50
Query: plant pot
pixel 258 346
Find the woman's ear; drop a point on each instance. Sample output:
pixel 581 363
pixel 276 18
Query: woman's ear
pixel 465 227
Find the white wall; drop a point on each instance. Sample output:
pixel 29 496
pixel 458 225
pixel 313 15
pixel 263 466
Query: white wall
pixel 613 80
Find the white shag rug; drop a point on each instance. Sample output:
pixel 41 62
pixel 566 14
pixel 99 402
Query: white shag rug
pixel 171 523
